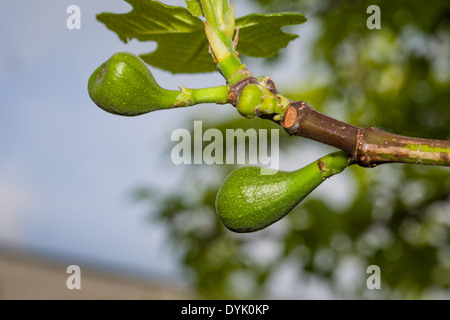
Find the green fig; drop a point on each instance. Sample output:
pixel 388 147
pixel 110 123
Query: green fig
pixel 124 85
pixel 249 99
pixel 249 201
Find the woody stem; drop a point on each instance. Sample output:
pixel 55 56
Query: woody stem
pixel 367 147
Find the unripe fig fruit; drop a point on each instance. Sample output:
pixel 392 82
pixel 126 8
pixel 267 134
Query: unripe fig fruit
pixel 249 201
pixel 124 85
pixel 250 98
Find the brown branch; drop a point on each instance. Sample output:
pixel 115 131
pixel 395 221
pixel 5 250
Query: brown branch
pixel 367 147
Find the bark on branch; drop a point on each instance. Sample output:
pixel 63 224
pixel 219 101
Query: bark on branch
pixel 367 147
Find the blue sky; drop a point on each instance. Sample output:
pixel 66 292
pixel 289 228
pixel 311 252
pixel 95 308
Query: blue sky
pixel 67 167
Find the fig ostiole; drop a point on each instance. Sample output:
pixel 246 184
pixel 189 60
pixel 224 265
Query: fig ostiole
pixel 125 86
pixel 249 201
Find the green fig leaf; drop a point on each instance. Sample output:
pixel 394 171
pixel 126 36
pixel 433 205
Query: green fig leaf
pixel 195 7
pixel 180 35
pixel 260 35
pixel 182 44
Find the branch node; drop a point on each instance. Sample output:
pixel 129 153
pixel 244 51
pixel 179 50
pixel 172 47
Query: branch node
pixel 236 88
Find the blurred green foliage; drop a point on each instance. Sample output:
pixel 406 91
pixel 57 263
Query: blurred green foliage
pixel 397 216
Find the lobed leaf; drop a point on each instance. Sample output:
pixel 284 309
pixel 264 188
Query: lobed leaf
pixel 195 7
pixel 179 33
pixel 182 44
pixel 260 35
